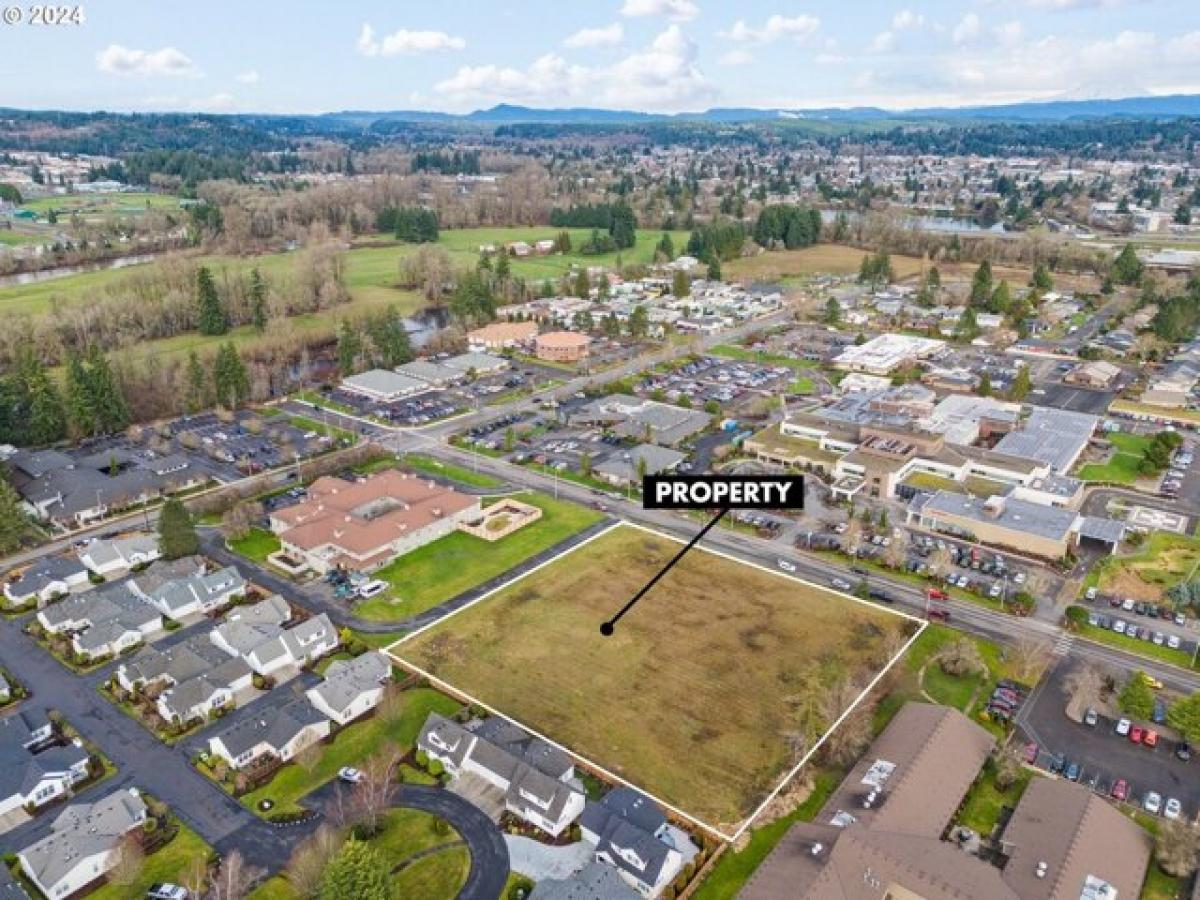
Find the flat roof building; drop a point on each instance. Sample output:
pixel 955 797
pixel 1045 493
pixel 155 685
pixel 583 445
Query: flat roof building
pixel 383 385
pixel 884 354
pixel 562 346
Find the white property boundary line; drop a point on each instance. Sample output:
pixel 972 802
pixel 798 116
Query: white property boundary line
pixel 390 650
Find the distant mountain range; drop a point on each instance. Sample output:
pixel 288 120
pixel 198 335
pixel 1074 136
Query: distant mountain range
pixel 1045 111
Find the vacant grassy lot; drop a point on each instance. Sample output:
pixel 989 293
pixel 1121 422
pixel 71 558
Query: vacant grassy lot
pixel 732 351
pixel 458 562
pixel 714 658
pixel 837 259
pixel 351 747
pixel 1165 560
pixel 1122 467
pixel 427 465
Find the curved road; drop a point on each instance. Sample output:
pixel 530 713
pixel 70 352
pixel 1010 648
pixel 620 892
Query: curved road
pixel 489 853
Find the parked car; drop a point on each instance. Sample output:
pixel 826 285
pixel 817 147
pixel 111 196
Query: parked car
pixel 1120 789
pixel 1090 718
pixel 1173 809
pixel 787 565
pixel 167 891
pixel 372 588
pixel 1072 771
pixel 349 774
pixel 1183 751
pixel 1091 594
pixel 1123 726
pixel 1150 737
pixel 1135 734
pixel 1152 802
pixel 1031 752
pixel 840 583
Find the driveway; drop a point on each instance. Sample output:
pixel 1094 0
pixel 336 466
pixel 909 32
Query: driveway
pixel 540 861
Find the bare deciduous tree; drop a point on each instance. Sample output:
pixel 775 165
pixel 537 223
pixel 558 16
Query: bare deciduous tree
pixel 308 861
pixel 130 861
pixel 1177 848
pixel 233 878
pixel 1084 687
pixel 961 657
pixel 372 796
pixel 1030 657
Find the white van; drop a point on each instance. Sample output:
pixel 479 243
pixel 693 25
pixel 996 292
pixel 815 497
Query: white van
pixel 372 588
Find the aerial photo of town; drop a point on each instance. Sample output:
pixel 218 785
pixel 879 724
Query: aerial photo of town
pixel 387 398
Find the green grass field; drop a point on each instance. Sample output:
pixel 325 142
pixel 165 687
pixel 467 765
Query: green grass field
pixel 257 545
pixel 1163 561
pixel 89 205
pixel 732 351
pixel 427 465
pixel 458 562
pixel 710 655
pixel 440 875
pixel 350 747
pixel 1122 468
pixel 170 863
pixel 984 802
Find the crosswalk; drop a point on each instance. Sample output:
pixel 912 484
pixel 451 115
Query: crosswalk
pixel 1064 643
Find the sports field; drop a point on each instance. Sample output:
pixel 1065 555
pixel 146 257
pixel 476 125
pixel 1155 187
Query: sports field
pixel 699 696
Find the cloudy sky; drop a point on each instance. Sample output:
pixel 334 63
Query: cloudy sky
pixel 659 55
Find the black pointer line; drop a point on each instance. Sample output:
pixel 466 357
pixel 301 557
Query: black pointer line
pixel 606 628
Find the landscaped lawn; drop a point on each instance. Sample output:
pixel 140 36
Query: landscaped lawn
pixel 277 888
pixel 170 863
pixel 439 875
pixel 1161 886
pixel 1122 468
pixel 427 465
pixel 802 385
pixel 1163 561
pixel 710 655
pixel 407 831
pixel 458 562
pixel 350 747
pixel 257 545
pixel 322 430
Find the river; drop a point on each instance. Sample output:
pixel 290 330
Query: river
pixel 121 262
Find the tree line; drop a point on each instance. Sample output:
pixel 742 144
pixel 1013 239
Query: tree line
pixel 787 225
pixel 411 224
pixel 617 219
pixel 458 162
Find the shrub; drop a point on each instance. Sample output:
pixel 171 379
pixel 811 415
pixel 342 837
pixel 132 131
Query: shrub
pixel 422 759
pixel 435 767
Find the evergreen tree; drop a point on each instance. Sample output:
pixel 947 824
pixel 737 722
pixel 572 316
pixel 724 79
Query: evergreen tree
pixel 1127 268
pixel 1041 279
pixel 47 420
pixel 14 521
pixel 230 378
pixel 985 385
pixel 967 328
pixel 581 286
pixel 196 396
pixel 665 248
pixel 639 322
pixel 1137 699
pixel 681 285
pixel 110 409
pixel 1021 386
pixel 390 339
pixel 981 285
pixel 77 397
pixel 1001 299
pixel 258 300
pixel 357 872
pixel 713 273
pixel 473 302
pixel 349 349
pixel 211 316
pixel 176 532
pixel 833 311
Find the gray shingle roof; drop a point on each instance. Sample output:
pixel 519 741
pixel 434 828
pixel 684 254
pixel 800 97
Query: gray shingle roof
pixel 346 680
pixel 80 831
pixel 272 722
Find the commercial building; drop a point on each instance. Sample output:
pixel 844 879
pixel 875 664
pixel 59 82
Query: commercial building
pixel 880 833
pixel 562 346
pixel 366 524
pixel 501 336
pixel 383 385
pixel 886 353
pixel 1055 437
pixel 647 420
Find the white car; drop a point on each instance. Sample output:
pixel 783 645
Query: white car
pixel 787 566
pixel 1173 809
pixel 840 583
pixel 994 591
pixel 1091 593
pixel 1119 626
pixel 1019 578
pixel 372 588
pixel 1173 641
pixel 1128 604
pixel 167 891
pixel 350 775
pixel 1152 802
pixel 1123 726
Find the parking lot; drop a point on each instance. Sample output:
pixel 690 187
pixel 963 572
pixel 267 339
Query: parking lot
pixel 728 382
pixel 1158 625
pixel 1102 756
pixel 1054 393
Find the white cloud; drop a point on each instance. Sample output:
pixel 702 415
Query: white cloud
pixel 167 62
pixel 608 36
pixel 1184 48
pixel 883 42
pixel 906 19
pixel 250 76
pixel 737 57
pixel 968 29
pixel 1073 4
pixel 675 10
pixel 406 42
pixel 663 76
pixel 1009 33
pixel 800 28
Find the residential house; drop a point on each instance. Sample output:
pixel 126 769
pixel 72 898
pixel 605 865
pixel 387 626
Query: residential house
pixel 595 881
pixel 197 594
pixel 107 556
pixel 33 774
pixel 631 833
pixel 83 843
pixel 46 579
pixel 279 728
pixel 197 675
pixel 351 688
pixel 532 775
pixel 104 622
